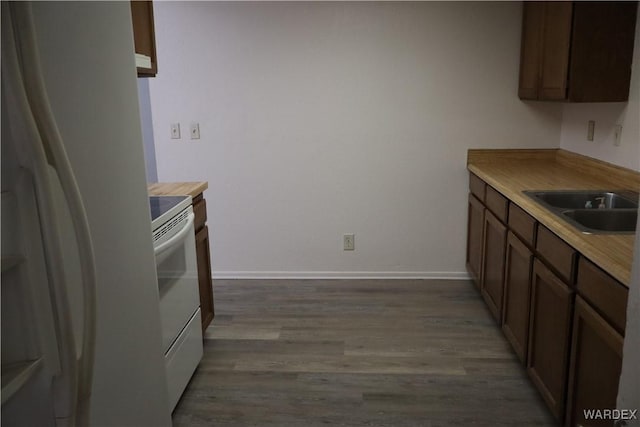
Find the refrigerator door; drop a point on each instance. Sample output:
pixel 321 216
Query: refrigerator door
pixel 88 67
pixel 85 70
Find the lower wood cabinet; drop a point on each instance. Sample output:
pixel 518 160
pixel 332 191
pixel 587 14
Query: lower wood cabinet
pixel 475 226
pixel 549 336
pixel 531 279
pixel 204 277
pixel 492 282
pixel 596 362
pixel 205 282
pixel 517 295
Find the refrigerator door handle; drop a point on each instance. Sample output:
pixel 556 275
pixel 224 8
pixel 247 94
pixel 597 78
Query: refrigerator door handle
pixel 176 240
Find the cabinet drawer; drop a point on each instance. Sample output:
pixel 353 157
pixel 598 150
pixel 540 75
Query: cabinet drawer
pixel 477 187
pixel 200 212
pixel 497 203
pixel 556 253
pixel 522 224
pixel 182 359
pixel 604 293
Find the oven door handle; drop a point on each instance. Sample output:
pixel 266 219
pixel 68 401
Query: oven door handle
pixel 178 238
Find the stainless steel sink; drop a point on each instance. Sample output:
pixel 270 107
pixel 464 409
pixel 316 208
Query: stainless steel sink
pixel 603 220
pixel 593 212
pixel 588 199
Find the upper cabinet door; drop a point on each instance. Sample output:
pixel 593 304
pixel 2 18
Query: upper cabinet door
pixel 555 55
pixel 531 50
pixel 144 38
pixel 602 51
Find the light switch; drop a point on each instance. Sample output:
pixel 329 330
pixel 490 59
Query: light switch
pixel 617 135
pixel 175 130
pixel 591 127
pixel 195 131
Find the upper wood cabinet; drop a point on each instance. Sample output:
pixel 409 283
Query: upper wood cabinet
pixel 144 38
pixel 577 51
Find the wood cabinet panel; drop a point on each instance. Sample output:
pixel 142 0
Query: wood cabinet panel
pixel 555 54
pixel 523 225
pixel 477 187
pixel 144 35
pixel 517 295
pixel 577 51
pixel 493 257
pixel 200 212
pixel 604 293
pixel 602 51
pixel 556 253
pixel 205 282
pixel 549 333
pixel 475 227
pixel 531 49
pixel 497 203
pixel 596 362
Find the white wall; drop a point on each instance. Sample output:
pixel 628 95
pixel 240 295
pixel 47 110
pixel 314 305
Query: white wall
pixel 606 116
pixel 147 130
pixel 319 119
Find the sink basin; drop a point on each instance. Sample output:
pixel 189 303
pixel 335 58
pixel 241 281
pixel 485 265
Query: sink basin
pixel 588 199
pixel 604 220
pixel 581 209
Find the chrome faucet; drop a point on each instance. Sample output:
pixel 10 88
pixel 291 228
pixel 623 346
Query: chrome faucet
pixel 601 205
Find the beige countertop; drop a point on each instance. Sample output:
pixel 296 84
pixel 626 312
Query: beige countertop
pixel 512 171
pixel 177 188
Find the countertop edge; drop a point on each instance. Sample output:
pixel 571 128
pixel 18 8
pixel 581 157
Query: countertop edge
pixel 191 188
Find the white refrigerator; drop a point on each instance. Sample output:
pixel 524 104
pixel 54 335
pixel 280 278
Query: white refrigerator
pixel 81 338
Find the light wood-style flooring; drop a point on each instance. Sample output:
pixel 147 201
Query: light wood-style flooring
pixel 356 353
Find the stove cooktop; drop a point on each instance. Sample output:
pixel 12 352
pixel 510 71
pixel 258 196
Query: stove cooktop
pixel 163 208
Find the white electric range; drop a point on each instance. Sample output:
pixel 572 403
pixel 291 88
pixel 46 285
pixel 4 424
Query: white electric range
pixel 174 246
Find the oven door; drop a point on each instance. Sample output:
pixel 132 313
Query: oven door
pixel 177 281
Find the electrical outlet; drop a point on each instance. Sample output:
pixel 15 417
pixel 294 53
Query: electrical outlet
pixel 349 242
pixel 591 127
pixel 175 130
pixel 617 135
pixel 195 131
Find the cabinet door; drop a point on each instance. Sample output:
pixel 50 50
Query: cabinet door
pixel 144 37
pixel 204 277
pixel 492 282
pixel 475 226
pixel 602 51
pixel 531 49
pixel 596 362
pixel 549 329
pixel 517 295
pixel 555 54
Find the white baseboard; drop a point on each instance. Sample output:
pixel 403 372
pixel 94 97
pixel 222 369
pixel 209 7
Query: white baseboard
pixel 387 275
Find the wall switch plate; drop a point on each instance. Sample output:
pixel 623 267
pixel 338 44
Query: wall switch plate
pixel 591 127
pixel 175 130
pixel 349 242
pixel 195 131
pixel 617 135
